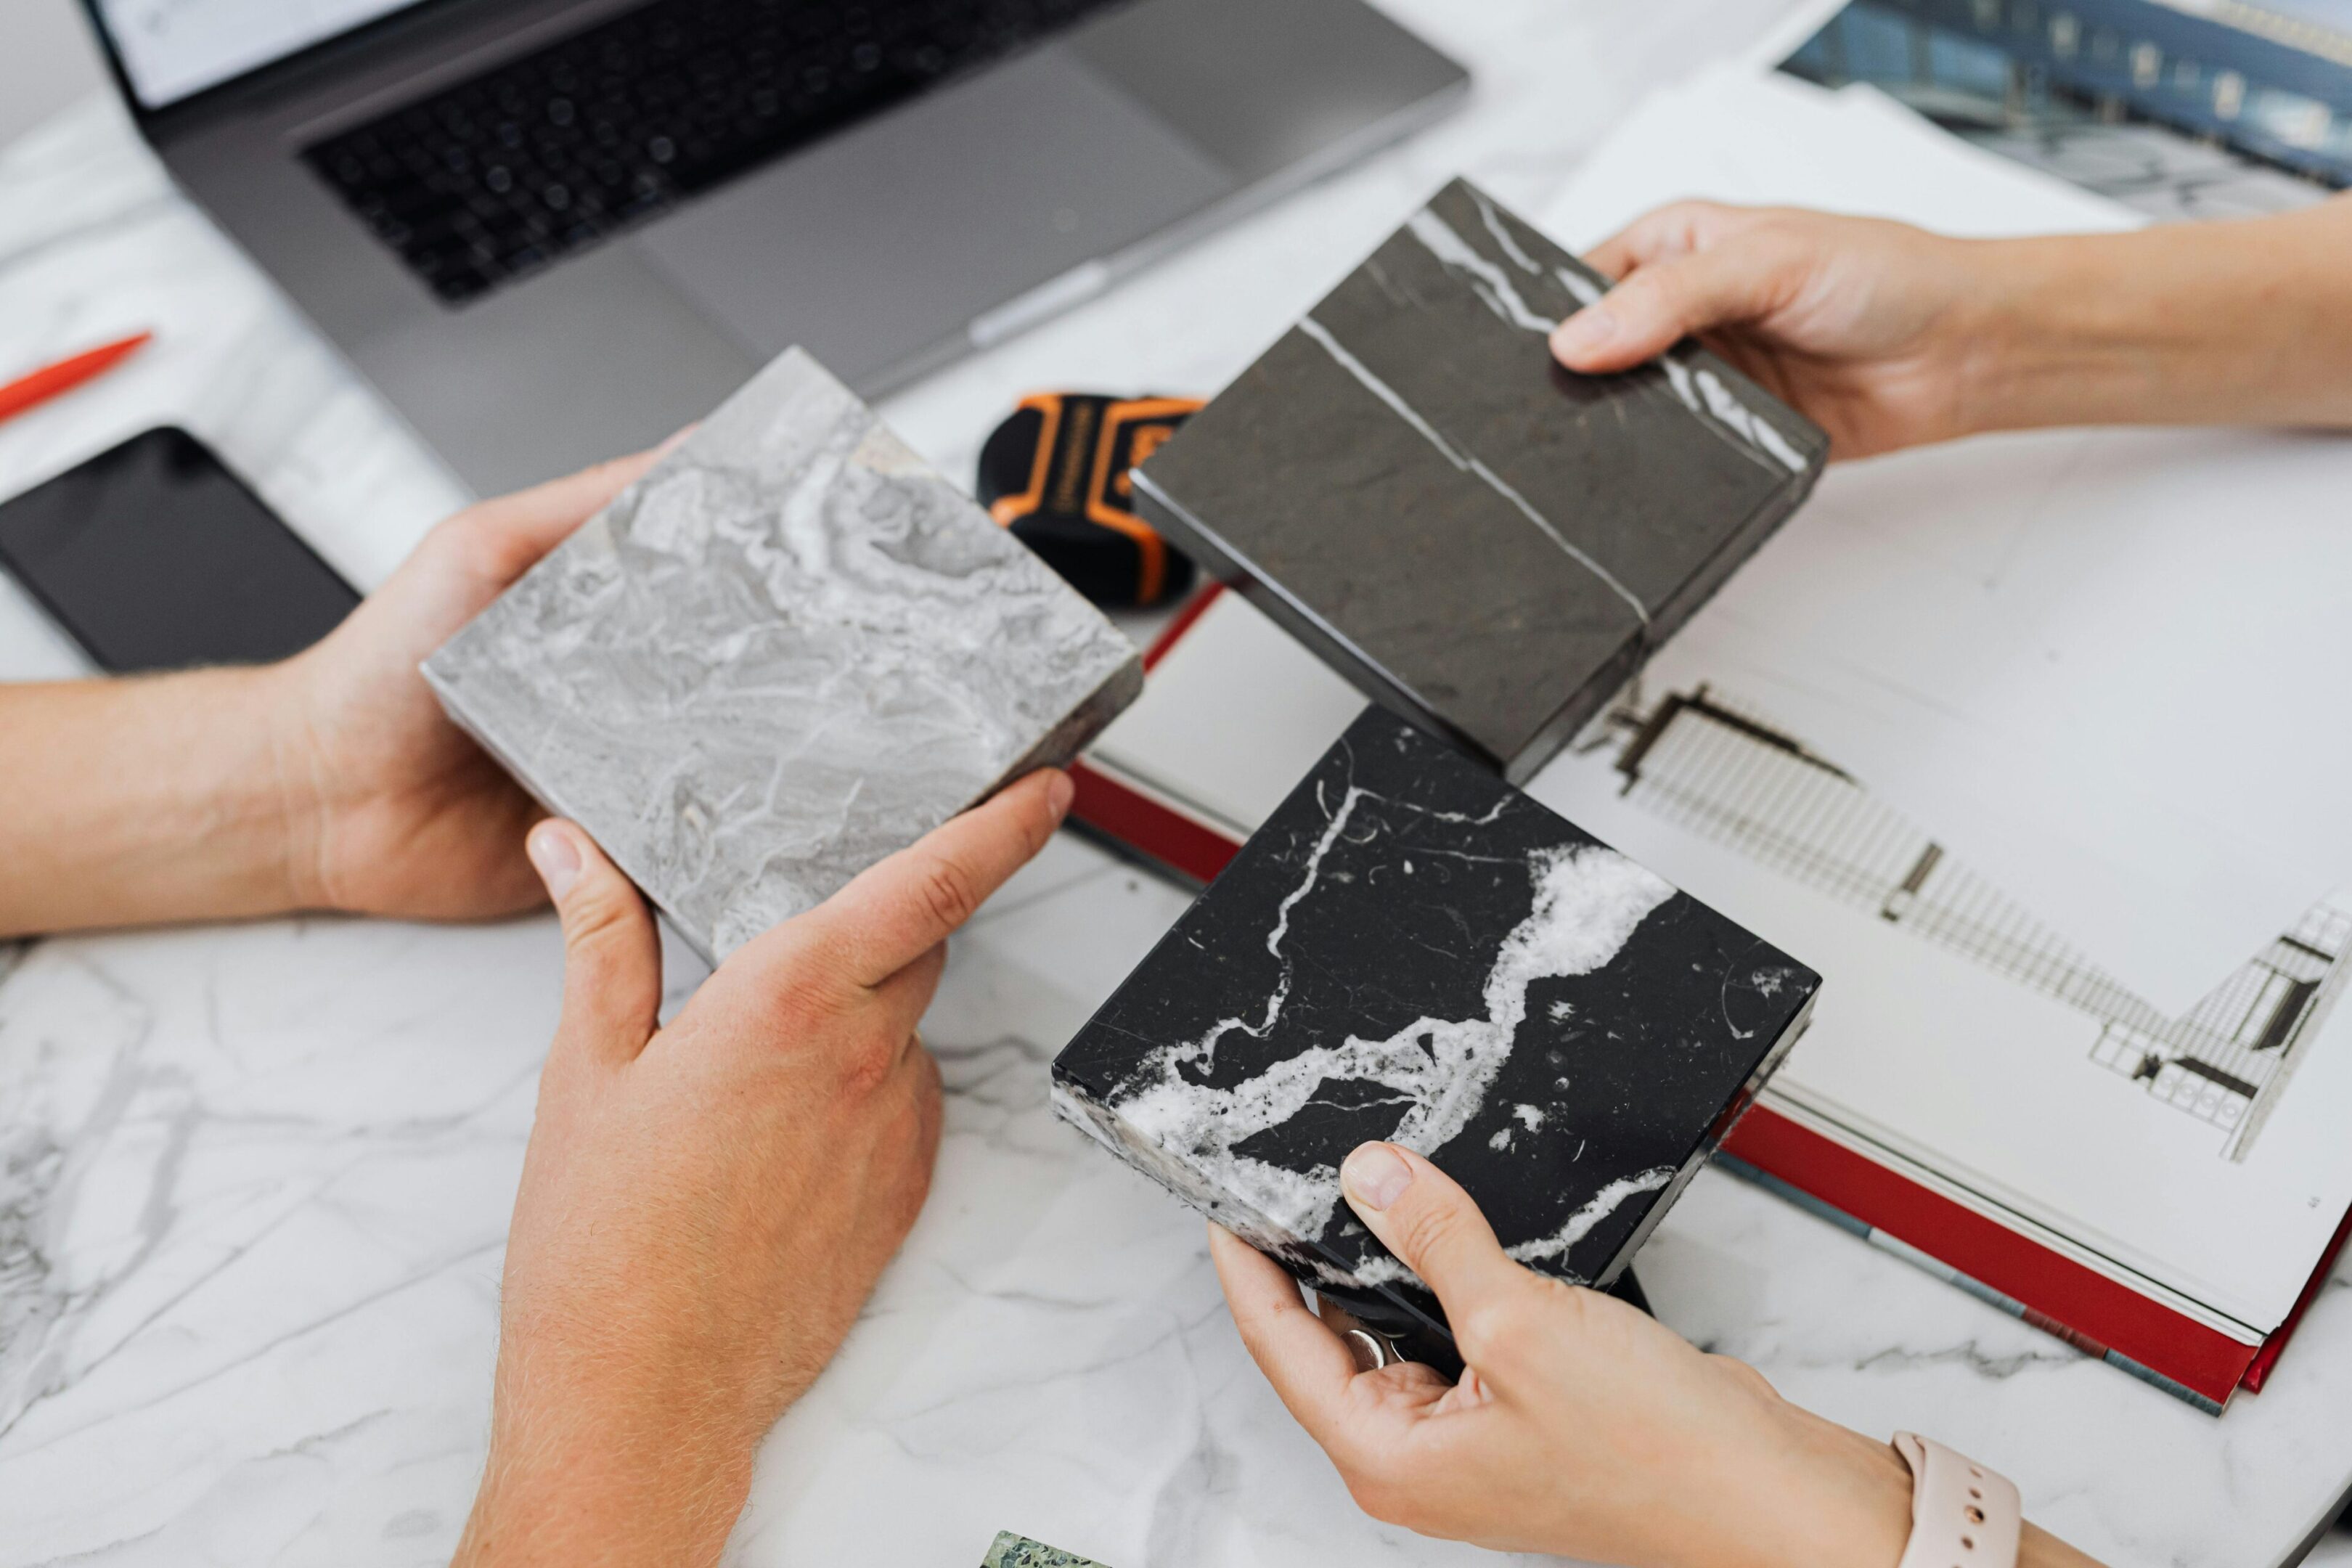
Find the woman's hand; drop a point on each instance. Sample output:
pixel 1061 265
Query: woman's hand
pixel 704 1207
pixel 329 781
pixel 1874 329
pixel 1579 1428
pixel 389 809
pixel 1888 336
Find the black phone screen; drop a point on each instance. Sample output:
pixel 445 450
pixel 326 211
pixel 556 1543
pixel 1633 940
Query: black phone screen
pixel 154 556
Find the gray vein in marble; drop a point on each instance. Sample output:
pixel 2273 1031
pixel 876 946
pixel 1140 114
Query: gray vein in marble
pixel 1468 462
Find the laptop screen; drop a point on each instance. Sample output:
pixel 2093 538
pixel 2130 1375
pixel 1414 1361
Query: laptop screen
pixel 172 48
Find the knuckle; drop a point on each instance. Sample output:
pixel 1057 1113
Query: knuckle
pixel 1428 1232
pixel 601 918
pixel 1502 1328
pixel 950 892
pixel 1038 823
pixel 1746 1378
pixel 1682 216
pixel 869 1060
pixel 488 552
pixel 1489 1329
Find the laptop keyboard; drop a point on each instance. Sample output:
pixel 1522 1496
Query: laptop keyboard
pixel 548 154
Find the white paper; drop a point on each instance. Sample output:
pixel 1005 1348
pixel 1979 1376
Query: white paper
pixel 1994 1085
pixel 2098 663
pixel 1730 134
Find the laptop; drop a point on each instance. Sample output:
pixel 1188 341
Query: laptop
pixel 555 230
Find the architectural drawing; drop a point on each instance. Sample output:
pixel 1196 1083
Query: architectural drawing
pixel 1711 764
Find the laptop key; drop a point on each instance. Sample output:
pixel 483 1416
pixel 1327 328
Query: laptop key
pixel 669 100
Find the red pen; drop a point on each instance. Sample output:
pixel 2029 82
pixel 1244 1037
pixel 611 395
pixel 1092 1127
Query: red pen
pixel 57 380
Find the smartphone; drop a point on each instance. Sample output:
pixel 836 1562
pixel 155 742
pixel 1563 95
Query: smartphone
pixel 153 555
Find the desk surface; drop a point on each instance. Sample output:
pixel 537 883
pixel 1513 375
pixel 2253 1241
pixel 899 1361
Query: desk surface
pixel 254 1181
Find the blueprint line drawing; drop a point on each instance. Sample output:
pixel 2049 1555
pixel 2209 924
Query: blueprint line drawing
pixel 1713 765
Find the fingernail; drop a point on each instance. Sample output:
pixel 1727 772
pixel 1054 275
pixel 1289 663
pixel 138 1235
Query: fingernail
pixel 1587 332
pixel 556 859
pixel 1060 791
pixel 1374 1176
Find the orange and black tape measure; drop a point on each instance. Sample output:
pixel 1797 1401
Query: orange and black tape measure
pixel 1056 474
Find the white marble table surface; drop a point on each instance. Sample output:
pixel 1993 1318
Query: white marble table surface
pixel 254 1181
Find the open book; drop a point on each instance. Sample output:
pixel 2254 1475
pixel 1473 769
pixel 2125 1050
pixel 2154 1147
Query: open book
pixel 2164 1192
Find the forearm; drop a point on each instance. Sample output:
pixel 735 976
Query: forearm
pixel 2220 323
pixel 143 801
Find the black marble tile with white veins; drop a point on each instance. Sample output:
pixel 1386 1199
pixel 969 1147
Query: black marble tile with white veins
pixel 788 651
pixel 1480 540
pixel 1411 950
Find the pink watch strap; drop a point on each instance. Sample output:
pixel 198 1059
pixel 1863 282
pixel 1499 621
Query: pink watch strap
pixel 1962 1515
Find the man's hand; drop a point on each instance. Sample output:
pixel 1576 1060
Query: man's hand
pixel 704 1207
pixel 389 809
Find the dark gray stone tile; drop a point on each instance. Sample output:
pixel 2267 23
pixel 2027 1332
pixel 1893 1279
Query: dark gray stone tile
pixel 788 651
pixel 1412 950
pixel 1480 540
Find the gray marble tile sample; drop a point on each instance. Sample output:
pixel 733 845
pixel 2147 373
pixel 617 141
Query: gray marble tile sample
pixel 789 650
pixel 1480 540
pixel 1412 950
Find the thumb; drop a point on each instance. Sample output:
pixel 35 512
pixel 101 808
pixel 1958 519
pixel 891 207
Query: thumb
pixel 611 957
pixel 1422 1216
pixel 1660 304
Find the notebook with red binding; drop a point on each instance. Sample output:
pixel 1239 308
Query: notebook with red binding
pixel 1969 1099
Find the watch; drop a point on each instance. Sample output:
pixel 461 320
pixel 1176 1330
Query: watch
pixel 1962 1514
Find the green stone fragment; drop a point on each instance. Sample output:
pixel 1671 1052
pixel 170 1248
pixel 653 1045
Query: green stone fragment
pixel 1013 1551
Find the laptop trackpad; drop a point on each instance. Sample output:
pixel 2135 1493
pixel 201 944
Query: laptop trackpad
pixel 881 242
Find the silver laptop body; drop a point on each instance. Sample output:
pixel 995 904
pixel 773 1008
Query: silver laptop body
pixel 897 241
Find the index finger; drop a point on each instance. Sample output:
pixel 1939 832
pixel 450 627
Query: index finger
pixel 901 908
pixel 1676 229
pixel 1308 1365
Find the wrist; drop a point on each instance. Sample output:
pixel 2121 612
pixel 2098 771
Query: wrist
pixel 297 782
pixel 1830 1498
pixel 147 800
pixel 229 769
pixel 2024 337
pixel 2102 330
